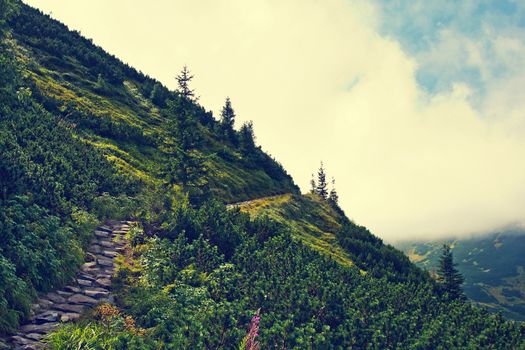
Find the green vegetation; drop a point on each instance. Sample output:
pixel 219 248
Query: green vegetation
pixel 493 268
pixel 85 137
pixel 448 275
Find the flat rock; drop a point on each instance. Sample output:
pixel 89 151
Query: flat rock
pixel 21 340
pixel 82 282
pixel 105 243
pixel 72 289
pixel 92 271
pixel 69 307
pixel 45 317
pixel 86 276
pixel 82 299
pixel 34 336
pixel 69 316
pixel 106 282
pixel 96 293
pixel 55 298
pixel 95 248
pixel 44 303
pixel 64 293
pixel 38 328
pixel 110 253
pixel 105 262
pixel 104 228
pixel 101 234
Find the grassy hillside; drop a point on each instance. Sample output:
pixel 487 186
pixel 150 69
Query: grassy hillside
pixel 86 138
pixel 115 108
pixel 325 228
pixel 309 218
pixel 493 267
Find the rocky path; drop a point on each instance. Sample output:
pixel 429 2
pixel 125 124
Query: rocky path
pixel 91 286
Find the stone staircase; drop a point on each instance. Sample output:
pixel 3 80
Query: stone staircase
pixel 91 286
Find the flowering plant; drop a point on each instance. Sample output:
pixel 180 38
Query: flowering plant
pixel 249 342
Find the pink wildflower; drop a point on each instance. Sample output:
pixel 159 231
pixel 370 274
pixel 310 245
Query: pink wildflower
pixel 251 343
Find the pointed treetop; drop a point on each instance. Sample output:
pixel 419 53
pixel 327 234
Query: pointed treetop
pixel 227 114
pixel 321 189
pixel 313 185
pixel 333 197
pixel 449 276
pixel 184 79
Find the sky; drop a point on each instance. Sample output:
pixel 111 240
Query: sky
pixel 417 108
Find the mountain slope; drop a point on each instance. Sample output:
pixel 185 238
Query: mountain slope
pixel 493 267
pixel 108 104
pixel 86 138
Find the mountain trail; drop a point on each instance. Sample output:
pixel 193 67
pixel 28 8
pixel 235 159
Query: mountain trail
pixel 90 287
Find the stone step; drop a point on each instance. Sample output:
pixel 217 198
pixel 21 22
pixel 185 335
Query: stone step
pixel 44 303
pixel 94 248
pixel 105 275
pixel 46 317
pixel 105 262
pixel 89 277
pixel 92 271
pixel 55 298
pixel 101 234
pixel 38 328
pixel 72 289
pixel 104 282
pixel 69 316
pixel 82 282
pixel 96 293
pixel 82 299
pixel 107 244
pixel 34 336
pixel 109 253
pixel 91 286
pixel 21 340
pixel 68 308
pixel 64 293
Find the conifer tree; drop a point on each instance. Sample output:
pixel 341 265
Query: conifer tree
pixel 184 79
pixel 247 137
pixel 321 189
pixel 228 119
pixel 448 275
pixel 333 197
pixel 313 186
pixel 158 95
pixel 187 164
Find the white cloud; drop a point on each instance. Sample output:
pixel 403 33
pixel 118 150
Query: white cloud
pixel 407 164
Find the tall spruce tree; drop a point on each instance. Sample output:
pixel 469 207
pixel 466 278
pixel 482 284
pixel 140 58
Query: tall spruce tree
pixel 247 137
pixel 228 119
pixel 448 275
pixel 187 164
pixel 184 79
pixel 333 197
pixel 158 95
pixel 322 189
pixel 313 186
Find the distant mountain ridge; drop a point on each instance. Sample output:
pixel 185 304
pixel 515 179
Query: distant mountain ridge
pixel 493 266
